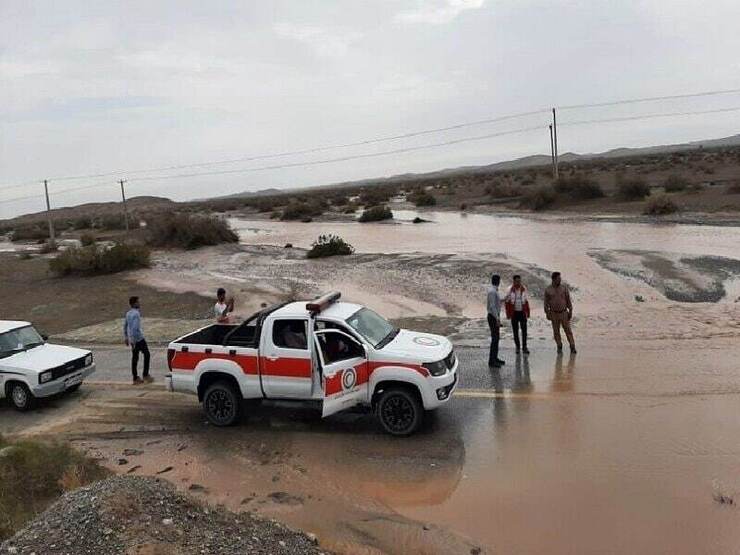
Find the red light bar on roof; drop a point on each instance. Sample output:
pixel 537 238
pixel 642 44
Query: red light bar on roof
pixel 323 302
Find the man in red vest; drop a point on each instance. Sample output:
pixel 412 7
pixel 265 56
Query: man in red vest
pixel 517 310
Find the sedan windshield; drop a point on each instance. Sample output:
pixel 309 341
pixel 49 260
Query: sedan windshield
pixel 17 340
pixel 372 326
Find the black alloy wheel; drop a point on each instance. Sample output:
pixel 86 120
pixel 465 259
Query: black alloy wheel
pixel 400 412
pixel 222 404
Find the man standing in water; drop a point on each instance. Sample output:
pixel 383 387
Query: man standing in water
pixel 517 310
pixel 559 310
pixel 493 304
pixel 134 338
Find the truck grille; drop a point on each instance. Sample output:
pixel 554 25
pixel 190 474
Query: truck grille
pixel 450 360
pixel 68 368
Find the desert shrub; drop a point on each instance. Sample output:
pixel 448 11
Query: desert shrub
pixel 540 198
pixel 372 197
pixel 329 245
pixel 675 183
pixel 83 222
pixel 733 189
pixel 376 214
pixel 111 222
pixel 93 260
pixel 34 474
pixel 47 247
pixel 188 231
pixel 578 187
pixel 633 189
pixel 503 190
pixel 349 209
pixel 30 233
pixel 422 198
pixel 87 239
pixel 297 210
pixel 660 206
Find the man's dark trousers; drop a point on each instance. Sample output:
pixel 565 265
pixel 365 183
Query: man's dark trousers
pixel 519 320
pixel 493 353
pixel 139 347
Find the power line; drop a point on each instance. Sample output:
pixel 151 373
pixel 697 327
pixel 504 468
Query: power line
pixel 651 116
pixel 649 99
pixel 385 138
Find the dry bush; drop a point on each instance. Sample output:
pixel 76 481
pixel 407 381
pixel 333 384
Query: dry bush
pixel 376 214
pixel 93 260
pixel 633 189
pixel 660 205
pixel 675 183
pixel 538 199
pixel 188 231
pixel 30 233
pixel 578 187
pixel 329 245
pixel 297 210
pixel 422 198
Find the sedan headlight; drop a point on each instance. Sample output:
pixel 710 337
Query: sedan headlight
pixel 45 376
pixel 436 368
pixel 88 360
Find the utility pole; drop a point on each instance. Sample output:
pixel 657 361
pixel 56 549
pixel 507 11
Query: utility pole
pixel 552 154
pixel 555 142
pixel 125 209
pixel 52 238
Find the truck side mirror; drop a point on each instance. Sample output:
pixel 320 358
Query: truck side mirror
pixel 44 337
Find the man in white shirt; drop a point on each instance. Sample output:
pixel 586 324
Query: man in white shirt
pixel 493 305
pixel 222 308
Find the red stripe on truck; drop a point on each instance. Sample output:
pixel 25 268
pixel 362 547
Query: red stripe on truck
pixel 286 367
pixel 188 361
pixel 282 367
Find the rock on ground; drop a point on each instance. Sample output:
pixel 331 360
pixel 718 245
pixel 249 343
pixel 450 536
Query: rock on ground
pixel 142 515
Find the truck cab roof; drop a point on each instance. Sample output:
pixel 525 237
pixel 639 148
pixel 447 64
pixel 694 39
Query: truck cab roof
pixel 7 325
pixel 335 311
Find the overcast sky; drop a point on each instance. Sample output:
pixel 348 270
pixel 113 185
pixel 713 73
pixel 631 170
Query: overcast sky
pixel 89 87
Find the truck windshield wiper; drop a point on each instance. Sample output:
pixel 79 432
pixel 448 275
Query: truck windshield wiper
pixel 388 338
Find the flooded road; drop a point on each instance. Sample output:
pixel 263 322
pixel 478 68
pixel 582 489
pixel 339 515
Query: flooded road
pixel 624 448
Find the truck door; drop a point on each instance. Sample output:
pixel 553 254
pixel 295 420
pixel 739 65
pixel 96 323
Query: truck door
pixel 344 370
pixel 286 369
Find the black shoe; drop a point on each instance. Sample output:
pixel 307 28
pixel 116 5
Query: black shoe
pixel 496 364
pixel 560 349
pixel 526 351
pixel 501 362
pixel 573 350
pixel 518 350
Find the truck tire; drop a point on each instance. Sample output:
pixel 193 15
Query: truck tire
pixel 74 388
pixel 20 396
pixel 222 404
pixel 399 411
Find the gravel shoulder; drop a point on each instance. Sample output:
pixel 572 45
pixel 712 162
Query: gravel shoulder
pixel 141 515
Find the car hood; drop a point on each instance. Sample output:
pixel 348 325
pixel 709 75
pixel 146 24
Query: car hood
pixel 418 346
pixel 42 358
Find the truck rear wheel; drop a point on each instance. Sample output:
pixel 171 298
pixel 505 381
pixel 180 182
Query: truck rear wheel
pixel 222 404
pixel 20 396
pixel 399 411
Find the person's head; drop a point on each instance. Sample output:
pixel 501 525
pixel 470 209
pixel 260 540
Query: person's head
pixel 495 280
pixel 133 302
pixel 221 294
pixel 556 279
pixel 517 280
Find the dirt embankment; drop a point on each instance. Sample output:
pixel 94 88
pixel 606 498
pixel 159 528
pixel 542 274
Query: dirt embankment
pixel 28 291
pixel 147 516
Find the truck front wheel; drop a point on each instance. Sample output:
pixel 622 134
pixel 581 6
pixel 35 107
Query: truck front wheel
pixel 20 396
pixel 400 411
pixel 222 404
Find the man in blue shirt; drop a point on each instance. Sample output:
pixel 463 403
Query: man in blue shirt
pixel 135 338
pixel 493 306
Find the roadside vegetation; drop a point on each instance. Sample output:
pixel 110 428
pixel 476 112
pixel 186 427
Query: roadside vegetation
pixel 189 231
pixel 578 187
pixel 675 183
pixel 376 214
pixel 94 260
pixel 422 198
pixel 634 188
pixel 660 205
pixel 34 474
pixel 329 245
pixel 303 210
pixel 39 233
pixel 539 199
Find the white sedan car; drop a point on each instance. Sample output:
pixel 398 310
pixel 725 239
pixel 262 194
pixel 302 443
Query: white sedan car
pixel 31 368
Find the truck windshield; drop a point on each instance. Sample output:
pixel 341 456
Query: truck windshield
pixel 373 327
pixel 17 340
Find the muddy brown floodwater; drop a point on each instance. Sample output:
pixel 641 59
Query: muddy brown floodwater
pixel 631 446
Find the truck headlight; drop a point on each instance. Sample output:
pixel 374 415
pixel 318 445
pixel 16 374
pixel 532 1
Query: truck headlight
pixel 436 368
pixel 45 376
pixel 88 360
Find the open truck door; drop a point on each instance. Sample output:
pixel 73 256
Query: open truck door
pixel 344 370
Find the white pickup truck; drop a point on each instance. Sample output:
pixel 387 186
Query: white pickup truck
pixel 31 368
pixel 336 353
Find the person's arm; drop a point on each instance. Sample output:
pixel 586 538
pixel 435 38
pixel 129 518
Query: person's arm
pixel 568 304
pixel 125 329
pixel 546 304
